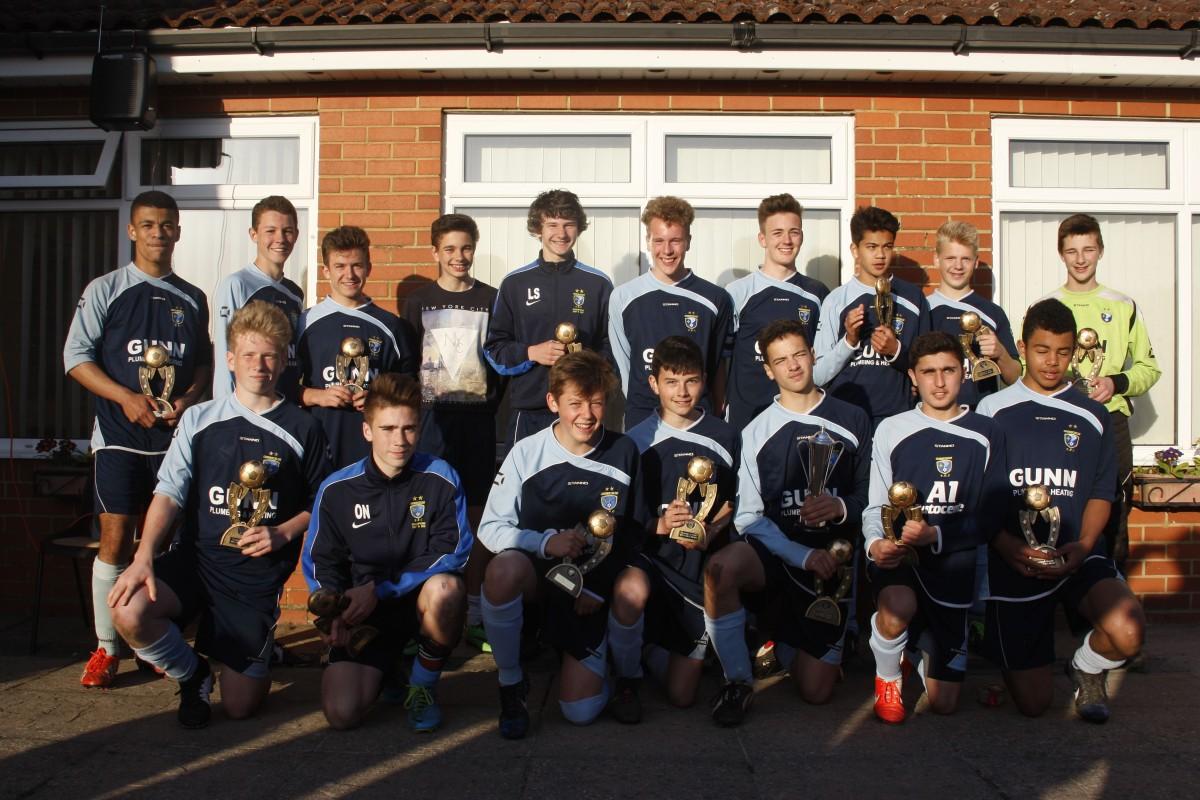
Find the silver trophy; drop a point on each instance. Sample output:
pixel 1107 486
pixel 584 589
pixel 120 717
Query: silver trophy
pixel 568 575
pixel 819 454
pixel 1037 497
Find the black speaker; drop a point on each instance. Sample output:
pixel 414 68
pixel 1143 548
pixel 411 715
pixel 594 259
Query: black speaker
pixel 124 91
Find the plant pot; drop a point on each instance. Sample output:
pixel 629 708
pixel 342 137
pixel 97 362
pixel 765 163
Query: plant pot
pixel 71 481
pixel 1164 492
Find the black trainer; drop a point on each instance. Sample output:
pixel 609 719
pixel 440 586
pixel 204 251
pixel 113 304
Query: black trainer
pixel 626 707
pixel 729 707
pixel 195 707
pixel 1091 694
pixel 514 713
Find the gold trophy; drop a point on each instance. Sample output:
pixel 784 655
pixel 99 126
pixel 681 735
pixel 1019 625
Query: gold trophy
pixel 1087 345
pixel 885 304
pixel 901 505
pixel 1037 497
pixel 700 474
pixel 825 608
pixel 251 476
pixel 353 354
pixel 982 367
pixel 567 333
pixel 568 576
pixel 156 362
pixel 327 605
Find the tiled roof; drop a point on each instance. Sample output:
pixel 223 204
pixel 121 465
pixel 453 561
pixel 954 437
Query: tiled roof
pixel 83 15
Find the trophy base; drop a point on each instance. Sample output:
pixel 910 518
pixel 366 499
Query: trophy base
pixel 232 537
pixel 327 603
pixel 162 407
pixel 824 609
pixel 360 637
pixel 568 577
pixel 354 388
pixel 1052 559
pixel 910 555
pixel 691 532
pixel 984 369
pixel 574 347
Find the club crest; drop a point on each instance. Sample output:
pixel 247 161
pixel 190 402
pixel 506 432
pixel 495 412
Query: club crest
pixel 805 314
pixel 944 465
pixel 271 463
pixel 416 511
pixel 608 499
pixel 177 316
pixel 691 321
pixel 578 298
pixel 898 324
pixel 1071 440
pixel 1106 316
pixel 375 345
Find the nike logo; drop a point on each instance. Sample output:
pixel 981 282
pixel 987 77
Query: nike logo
pixel 532 302
pixel 357 525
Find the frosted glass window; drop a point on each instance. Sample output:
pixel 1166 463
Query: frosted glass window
pixel 256 161
pixel 725 245
pixel 1089 165
pixel 543 159
pixel 1195 323
pixel 749 159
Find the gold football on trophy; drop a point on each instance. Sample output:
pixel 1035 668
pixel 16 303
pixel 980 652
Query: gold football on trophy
pixel 601 524
pixel 352 347
pixel 565 333
pixel 252 474
pixel 1037 497
pixel 902 494
pixel 700 469
pixel 971 321
pixel 841 550
pixel 155 356
pixel 1087 338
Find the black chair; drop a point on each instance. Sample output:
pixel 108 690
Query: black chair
pixel 76 543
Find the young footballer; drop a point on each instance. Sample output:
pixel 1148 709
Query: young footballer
pixel 274 230
pixel 797 542
pixel 669 440
pixel 459 389
pixel 540 516
pixel 668 300
pixel 250 458
pixel 773 291
pixel 339 336
pixel 1129 368
pixel 126 319
pixel 922 566
pixel 534 300
pixel 956 256
pixel 389 534
pixel 1062 440
pixel 858 358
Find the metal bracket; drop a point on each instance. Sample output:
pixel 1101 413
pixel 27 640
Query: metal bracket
pixel 744 36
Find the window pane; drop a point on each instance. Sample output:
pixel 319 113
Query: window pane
pixel 1089 165
pixel 1195 325
pixel 725 245
pixel 50 158
pixel 203 162
pixel 1139 260
pixel 538 159
pixel 749 159
pixel 50 256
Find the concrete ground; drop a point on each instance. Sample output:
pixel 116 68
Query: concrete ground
pixel 58 740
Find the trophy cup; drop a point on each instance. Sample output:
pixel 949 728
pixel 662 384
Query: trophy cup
pixel 885 304
pixel 700 474
pixel 901 505
pixel 568 576
pixel 567 333
pixel 982 367
pixel 353 353
pixel 819 454
pixel 1087 345
pixel 251 476
pixel 825 608
pixel 1037 497
pixel 326 605
pixel 156 362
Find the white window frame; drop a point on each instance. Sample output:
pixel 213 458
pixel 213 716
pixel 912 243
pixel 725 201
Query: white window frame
pixel 61 132
pixel 1180 199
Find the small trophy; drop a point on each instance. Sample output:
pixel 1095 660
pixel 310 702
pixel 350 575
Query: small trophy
pixel 901 505
pixel 1087 345
pixel 567 333
pixel 1037 497
pixel 568 576
pixel 825 608
pixel 156 362
pixel 326 605
pixel 982 367
pixel 251 476
pixel 353 353
pixel 819 454
pixel 885 304
pixel 700 474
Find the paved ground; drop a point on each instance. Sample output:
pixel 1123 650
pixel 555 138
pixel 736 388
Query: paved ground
pixel 58 740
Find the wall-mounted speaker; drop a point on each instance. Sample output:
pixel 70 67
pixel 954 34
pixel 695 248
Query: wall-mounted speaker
pixel 124 91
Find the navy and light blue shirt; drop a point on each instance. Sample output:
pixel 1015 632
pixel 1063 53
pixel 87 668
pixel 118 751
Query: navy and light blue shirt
pixel 645 311
pixel 235 291
pixel 946 315
pixel 396 531
pixel 119 316
pixel 530 304
pixel 773 480
pixel 957 467
pixel 666 451
pixel 759 300
pixel 211 443
pixel 319 341
pixel 876 383
pixel 543 488
pixel 1063 441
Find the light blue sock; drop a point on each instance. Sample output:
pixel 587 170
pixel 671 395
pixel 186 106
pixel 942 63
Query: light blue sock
pixel 171 654
pixel 625 642
pixel 658 661
pixel 104 577
pixel 421 675
pixel 728 636
pixel 503 625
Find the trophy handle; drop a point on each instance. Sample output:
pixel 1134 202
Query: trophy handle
pixel 260 505
pixel 710 500
pixel 233 498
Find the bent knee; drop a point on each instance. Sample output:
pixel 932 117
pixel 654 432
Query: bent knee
pixel 239 709
pixel 816 695
pixel 342 719
pixel 585 711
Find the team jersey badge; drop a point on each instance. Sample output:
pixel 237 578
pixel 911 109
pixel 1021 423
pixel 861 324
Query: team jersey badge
pixel 691 321
pixel 416 511
pixel 1071 439
pixel 898 324
pixel 608 499
pixel 271 462
pixel 578 298
pixel 177 316
pixel 375 345
pixel 1106 316
pixel 805 314
pixel 944 465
